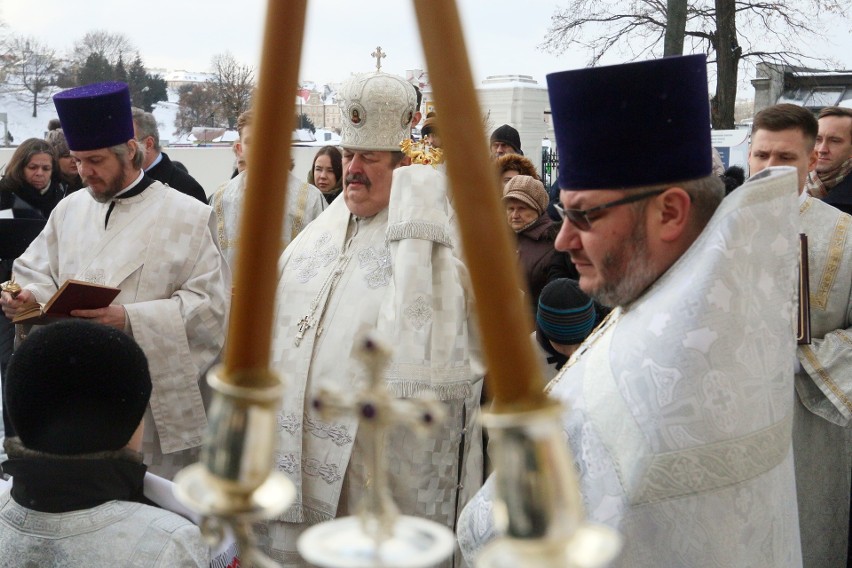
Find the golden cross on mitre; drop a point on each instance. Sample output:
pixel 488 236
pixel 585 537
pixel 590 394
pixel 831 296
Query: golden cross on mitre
pixel 379 55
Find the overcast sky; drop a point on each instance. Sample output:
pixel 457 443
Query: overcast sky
pixel 502 35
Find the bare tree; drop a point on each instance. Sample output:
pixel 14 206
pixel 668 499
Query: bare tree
pixel 4 46
pixel 110 46
pixel 675 27
pixel 730 32
pixel 196 107
pixel 31 70
pixel 233 85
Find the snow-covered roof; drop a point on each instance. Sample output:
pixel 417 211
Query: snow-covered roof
pixel 302 135
pixel 182 76
pixel 229 136
pixel 322 138
pixel 821 73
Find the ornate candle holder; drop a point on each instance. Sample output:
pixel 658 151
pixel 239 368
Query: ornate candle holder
pixel 11 286
pixel 234 484
pixel 378 536
pixel 537 505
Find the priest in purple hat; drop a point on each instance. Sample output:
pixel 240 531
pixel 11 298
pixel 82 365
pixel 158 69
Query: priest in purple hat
pixel 158 246
pixel 679 406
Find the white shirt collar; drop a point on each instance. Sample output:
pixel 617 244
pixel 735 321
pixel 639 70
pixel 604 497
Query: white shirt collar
pixel 156 161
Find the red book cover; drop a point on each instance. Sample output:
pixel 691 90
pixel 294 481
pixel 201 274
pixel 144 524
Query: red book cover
pixel 72 295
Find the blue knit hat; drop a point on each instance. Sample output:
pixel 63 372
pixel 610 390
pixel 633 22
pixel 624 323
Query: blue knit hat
pixel 566 315
pixel 632 125
pixel 95 116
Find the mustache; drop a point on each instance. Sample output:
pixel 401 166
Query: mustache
pixel 358 178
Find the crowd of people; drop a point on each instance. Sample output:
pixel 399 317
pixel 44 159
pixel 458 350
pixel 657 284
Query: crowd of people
pixel 662 300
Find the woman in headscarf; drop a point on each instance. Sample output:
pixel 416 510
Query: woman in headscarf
pixel 526 201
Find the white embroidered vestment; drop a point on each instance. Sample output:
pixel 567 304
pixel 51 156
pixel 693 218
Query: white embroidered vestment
pixel 680 407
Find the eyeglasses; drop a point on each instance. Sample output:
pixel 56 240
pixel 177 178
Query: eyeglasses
pixel 580 217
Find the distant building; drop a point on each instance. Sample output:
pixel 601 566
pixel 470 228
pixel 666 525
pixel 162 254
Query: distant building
pixel 813 89
pixel 178 78
pixel 319 106
pixel 517 100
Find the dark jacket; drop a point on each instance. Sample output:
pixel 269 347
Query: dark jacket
pixel 70 184
pixel 840 195
pixel 562 267
pixel 172 176
pixel 535 252
pixel 27 201
pixel 31 206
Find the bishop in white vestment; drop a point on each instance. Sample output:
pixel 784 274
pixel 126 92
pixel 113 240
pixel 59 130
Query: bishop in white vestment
pixel 380 257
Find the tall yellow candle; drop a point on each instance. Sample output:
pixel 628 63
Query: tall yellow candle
pixel 513 373
pixel 249 336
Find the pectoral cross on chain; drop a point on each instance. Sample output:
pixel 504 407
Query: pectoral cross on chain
pixel 378 411
pixel 304 324
pixel 379 55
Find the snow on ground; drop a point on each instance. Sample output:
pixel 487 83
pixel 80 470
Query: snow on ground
pixel 210 166
pixel 21 123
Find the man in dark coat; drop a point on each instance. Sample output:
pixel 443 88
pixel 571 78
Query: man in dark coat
pixel 157 164
pixel 831 180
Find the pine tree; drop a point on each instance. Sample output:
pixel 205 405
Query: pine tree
pixel 119 72
pixel 137 81
pixel 303 121
pixel 155 92
pixel 96 70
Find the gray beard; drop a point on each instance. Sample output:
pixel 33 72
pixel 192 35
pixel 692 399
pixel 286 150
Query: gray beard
pixel 637 274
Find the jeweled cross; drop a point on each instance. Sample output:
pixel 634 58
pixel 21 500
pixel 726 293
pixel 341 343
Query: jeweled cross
pixel 378 54
pixel 377 411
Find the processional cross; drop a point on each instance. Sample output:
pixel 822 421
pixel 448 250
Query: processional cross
pixel 379 55
pixel 378 412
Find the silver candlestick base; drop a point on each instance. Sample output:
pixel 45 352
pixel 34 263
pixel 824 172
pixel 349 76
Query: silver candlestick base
pixel 344 543
pixel 537 504
pixel 378 537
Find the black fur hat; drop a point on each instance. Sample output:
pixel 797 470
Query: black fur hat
pixel 76 387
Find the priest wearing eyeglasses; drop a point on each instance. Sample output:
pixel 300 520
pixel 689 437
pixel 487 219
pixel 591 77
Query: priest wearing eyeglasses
pixel 679 406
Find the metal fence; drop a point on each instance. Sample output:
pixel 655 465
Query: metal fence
pixel 549 166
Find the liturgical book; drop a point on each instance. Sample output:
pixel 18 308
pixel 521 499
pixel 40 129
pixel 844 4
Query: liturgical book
pixel 72 295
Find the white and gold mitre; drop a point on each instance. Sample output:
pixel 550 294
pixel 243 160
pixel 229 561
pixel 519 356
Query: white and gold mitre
pixel 376 109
